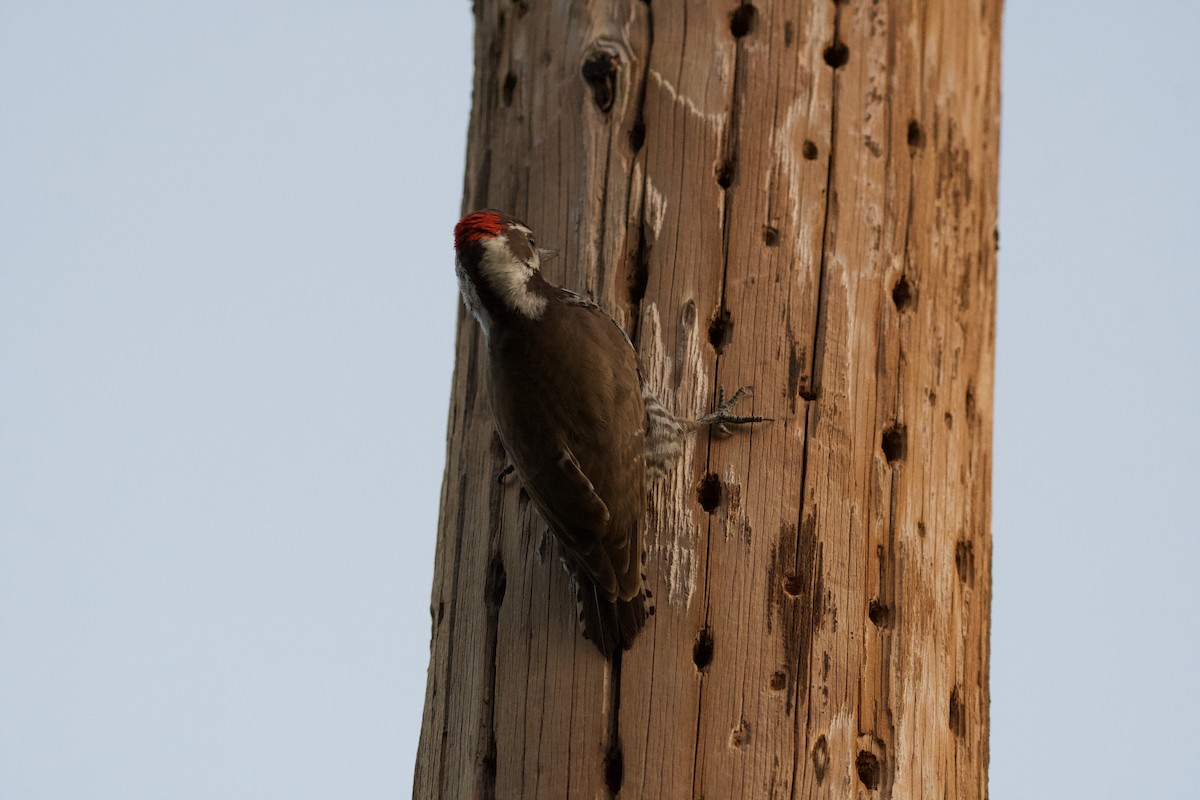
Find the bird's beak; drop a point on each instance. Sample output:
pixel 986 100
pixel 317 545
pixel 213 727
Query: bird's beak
pixel 546 255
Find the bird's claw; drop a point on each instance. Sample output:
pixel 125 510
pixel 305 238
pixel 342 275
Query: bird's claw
pixel 721 418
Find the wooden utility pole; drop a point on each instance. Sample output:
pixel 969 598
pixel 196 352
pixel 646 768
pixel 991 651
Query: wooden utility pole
pixel 799 196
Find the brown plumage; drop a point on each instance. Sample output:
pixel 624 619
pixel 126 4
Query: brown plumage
pixel 567 401
pixel 573 413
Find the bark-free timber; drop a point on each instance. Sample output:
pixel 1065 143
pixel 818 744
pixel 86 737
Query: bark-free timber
pixel 798 196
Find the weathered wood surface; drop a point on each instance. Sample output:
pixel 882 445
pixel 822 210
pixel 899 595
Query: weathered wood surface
pixel 798 196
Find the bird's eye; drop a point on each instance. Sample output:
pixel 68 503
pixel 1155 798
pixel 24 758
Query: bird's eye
pixel 532 242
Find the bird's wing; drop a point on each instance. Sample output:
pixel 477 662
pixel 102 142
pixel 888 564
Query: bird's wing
pixel 577 515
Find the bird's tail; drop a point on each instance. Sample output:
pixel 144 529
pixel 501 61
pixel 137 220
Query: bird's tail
pixel 609 623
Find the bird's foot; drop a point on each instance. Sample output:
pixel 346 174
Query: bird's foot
pixel 721 418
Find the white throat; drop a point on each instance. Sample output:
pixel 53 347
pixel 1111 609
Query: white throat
pixel 509 279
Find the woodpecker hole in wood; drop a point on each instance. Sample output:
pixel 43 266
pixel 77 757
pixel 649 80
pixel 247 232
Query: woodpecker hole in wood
pixel 702 651
pixel 725 173
pixel 809 150
pixel 789 33
pixel 639 279
pixel 820 758
pixel 792 585
pixel 720 330
pixel 880 614
pixel 687 315
pixel 741 21
pixel 867 765
pixel 497 581
pixel 637 135
pixel 600 72
pixel 490 761
pixel 958 715
pixel 614 768
pixel 770 236
pixel 893 442
pixel 779 680
pixel 902 294
pixel 837 54
pixel 709 492
pixel 510 85
pixel 916 134
pixel 964 561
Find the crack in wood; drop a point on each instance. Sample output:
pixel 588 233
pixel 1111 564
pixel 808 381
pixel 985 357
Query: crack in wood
pixel 614 760
pixel 494 589
pixel 818 353
pixel 640 277
pixel 725 179
pixel 460 524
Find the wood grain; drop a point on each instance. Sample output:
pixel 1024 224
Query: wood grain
pixel 798 196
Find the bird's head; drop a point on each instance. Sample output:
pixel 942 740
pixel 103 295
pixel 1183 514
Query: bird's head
pixel 497 261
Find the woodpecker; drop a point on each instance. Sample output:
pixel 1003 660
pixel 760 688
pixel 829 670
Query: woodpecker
pixel 574 415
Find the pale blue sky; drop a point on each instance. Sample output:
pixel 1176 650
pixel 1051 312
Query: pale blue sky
pixel 226 317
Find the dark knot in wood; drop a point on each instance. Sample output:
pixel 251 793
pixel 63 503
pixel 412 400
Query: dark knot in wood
pixel 600 71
